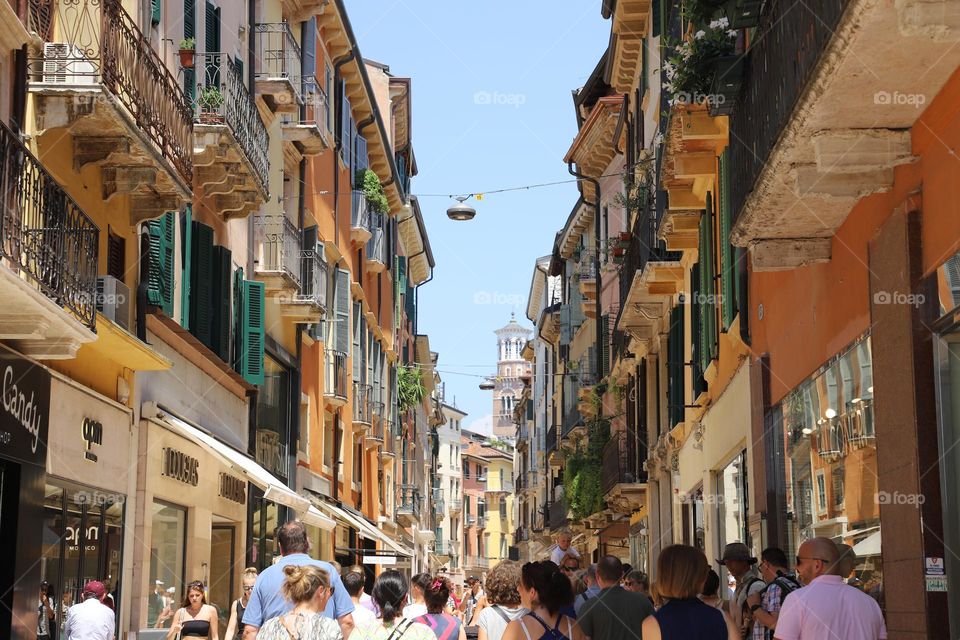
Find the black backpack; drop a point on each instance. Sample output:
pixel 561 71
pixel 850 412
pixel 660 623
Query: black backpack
pixel 787 584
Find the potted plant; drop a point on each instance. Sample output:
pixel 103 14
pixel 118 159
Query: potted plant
pixel 703 63
pixel 187 52
pixel 625 236
pixel 210 99
pixel 366 180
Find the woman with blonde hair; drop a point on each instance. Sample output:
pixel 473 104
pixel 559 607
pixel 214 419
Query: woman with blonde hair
pixel 235 624
pixel 308 588
pixel 681 572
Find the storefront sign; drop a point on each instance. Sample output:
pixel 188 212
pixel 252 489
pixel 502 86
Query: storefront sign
pixel 380 560
pixel 233 488
pixel 24 409
pixel 180 466
pixel 936 583
pixel 92 433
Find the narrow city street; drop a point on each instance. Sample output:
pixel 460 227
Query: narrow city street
pixel 413 320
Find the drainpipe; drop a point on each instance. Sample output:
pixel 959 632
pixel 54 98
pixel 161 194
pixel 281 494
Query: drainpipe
pixel 596 260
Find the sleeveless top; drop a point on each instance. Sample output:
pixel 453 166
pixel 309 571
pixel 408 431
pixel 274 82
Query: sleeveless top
pixel 547 629
pixel 195 629
pixel 443 625
pixel 690 618
pixel 238 604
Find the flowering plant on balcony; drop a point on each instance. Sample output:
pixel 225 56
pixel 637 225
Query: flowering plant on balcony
pixel 690 70
pixel 410 389
pixel 367 181
pixel 210 99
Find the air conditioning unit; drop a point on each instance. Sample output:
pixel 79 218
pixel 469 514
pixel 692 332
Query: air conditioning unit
pixel 113 300
pixel 65 63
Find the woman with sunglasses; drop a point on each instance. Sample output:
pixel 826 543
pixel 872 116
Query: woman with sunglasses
pixel 195 618
pixel 308 588
pixel 235 626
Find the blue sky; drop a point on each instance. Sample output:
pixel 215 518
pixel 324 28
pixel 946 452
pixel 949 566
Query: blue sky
pixel 492 108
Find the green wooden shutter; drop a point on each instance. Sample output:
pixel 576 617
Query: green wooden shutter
pixel 728 274
pixel 189 31
pixel 211 32
pixel 201 285
pixel 160 284
pixel 708 320
pixel 155 12
pixel 696 329
pixel 342 306
pixel 605 344
pixel 644 72
pixel 238 337
pixel 251 356
pixel 186 230
pixel 220 328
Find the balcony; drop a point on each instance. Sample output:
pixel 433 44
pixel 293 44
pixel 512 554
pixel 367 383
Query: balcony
pixel 361 406
pixel 495 486
pixel 278 63
pixel 271 453
pixel 96 77
pixel 455 507
pixel 522 534
pixel 277 246
pixel 359 218
pixel 571 420
pixel 629 25
pixel 558 514
pixel 230 140
pixel 585 378
pixel 470 520
pixel 48 258
pixel 623 477
pixel 335 377
pixel 408 505
pixel 379 426
pixel 308 305
pixel 475 563
pixel 307 132
pixel 445 548
pixel 375 259
pixel 650 277
pixel 814 130
pixel 587 277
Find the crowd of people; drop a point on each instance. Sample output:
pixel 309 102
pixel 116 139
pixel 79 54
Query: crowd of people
pixel 301 598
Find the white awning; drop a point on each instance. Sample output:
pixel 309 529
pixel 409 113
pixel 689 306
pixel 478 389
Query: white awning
pixel 315 517
pixel 273 488
pixel 869 546
pixel 365 528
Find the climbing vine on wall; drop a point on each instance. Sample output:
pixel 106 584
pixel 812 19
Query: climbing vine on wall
pixel 582 482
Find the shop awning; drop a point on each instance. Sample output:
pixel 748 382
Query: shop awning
pixel 273 488
pixel 869 546
pixel 364 527
pixel 315 517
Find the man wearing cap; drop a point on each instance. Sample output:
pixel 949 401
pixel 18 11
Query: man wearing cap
pixel 91 619
pixel 474 601
pixel 738 561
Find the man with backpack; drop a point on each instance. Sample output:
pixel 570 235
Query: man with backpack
pixel 765 606
pixel 740 564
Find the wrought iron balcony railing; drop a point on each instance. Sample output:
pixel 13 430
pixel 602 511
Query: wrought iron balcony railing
pixel 223 98
pixel 778 68
pixel 278 241
pixel 278 55
pixel 644 245
pixel 409 500
pixel 552 435
pixel 571 419
pixel 586 267
pixel 361 402
pixel 359 211
pixel 378 427
pixel 456 506
pixel 621 463
pixel 45 237
pixel 335 368
pixel 316 106
pixel 313 278
pixel 377 245
pixel 522 534
pixel 89 42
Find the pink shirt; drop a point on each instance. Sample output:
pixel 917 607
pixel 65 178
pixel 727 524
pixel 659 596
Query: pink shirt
pixel 828 609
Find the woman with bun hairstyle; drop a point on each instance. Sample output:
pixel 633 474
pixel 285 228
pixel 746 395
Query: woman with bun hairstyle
pixel 308 588
pixel 545 591
pixel 444 625
pixel 390 596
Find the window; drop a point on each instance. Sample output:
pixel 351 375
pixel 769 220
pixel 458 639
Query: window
pixel 732 501
pixel 328 443
pixel 358 461
pixel 838 486
pixel 330 94
pixel 466 471
pixel 168 532
pixel 273 410
pixel 116 255
pixel 503 509
pixel 303 440
pixel 821 492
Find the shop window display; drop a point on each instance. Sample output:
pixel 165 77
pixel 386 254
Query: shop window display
pixel 828 479
pixel 167 550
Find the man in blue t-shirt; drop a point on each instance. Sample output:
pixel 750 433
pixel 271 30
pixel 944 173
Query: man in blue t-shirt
pixel 267 601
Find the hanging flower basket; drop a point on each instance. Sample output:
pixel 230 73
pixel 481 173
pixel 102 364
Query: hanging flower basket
pixel 725 86
pixel 691 67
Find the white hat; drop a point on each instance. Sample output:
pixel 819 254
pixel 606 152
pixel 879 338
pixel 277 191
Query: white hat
pixel 171 590
pixel 159 582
